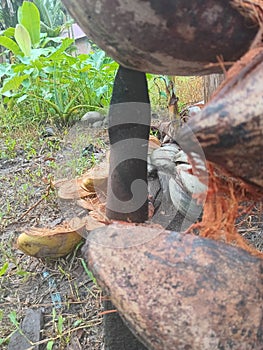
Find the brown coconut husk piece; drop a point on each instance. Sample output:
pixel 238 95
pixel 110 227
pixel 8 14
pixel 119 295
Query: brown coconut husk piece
pixel 251 9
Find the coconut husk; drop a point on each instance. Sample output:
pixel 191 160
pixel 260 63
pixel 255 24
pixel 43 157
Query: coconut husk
pixel 179 291
pixel 230 132
pixel 165 38
pixel 251 9
pixel 227 199
pixel 52 243
pixel 43 242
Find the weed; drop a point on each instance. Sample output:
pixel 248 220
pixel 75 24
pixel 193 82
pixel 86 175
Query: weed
pixel 88 272
pixel 3 269
pixel 154 133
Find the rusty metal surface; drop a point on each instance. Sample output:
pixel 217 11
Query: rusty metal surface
pixel 180 291
pixel 165 36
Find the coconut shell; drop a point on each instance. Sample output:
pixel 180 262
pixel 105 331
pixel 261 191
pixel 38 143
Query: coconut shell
pixel 52 243
pixel 178 291
pixel 165 37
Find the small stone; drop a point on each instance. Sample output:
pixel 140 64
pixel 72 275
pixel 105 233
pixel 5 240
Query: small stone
pixel 31 327
pixel 106 121
pixel 49 131
pixel 92 117
pixel 97 124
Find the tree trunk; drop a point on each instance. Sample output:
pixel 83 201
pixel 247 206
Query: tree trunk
pixel 129 127
pixel 211 83
pixel 127 193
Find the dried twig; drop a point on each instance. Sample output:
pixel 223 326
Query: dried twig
pixel 48 190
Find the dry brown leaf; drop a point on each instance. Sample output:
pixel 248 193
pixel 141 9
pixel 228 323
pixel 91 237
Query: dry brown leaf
pixel 90 203
pixel 71 189
pixel 92 224
pixel 154 142
pixel 99 213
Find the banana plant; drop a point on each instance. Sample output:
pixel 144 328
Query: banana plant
pixel 26 33
pixel 39 75
pixel 8 11
pixel 52 17
pixel 25 42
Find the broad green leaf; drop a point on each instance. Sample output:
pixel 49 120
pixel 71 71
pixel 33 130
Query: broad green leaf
pixel 83 57
pixel 36 53
pixel 29 17
pixel 53 40
pixel 65 44
pixel 10 45
pixel 29 70
pixel 13 83
pixel 9 32
pixel 98 59
pixel 44 12
pixel 3 269
pixel 49 69
pixel 101 90
pixel 20 67
pixel 4 70
pixel 23 39
pixel 19 14
pixel 22 98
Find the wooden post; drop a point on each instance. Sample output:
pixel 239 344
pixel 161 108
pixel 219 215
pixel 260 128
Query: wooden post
pixel 211 83
pixel 129 127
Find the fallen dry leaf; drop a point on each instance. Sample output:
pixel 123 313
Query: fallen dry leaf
pixel 71 189
pixel 92 224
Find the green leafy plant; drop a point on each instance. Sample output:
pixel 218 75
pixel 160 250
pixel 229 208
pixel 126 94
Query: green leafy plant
pixel 46 84
pixel 37 83
pixel 26 32
pixel 52 17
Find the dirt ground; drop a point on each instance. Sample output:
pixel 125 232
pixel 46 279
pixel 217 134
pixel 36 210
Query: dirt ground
pixel 61 288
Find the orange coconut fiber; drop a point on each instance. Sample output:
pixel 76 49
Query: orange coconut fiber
pixel 227 199
pixel 251 9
